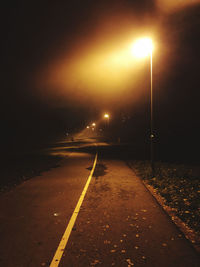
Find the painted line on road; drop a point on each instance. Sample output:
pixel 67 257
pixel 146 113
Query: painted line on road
pixel 59 252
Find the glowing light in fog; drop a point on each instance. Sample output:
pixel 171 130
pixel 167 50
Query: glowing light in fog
pixel 142 47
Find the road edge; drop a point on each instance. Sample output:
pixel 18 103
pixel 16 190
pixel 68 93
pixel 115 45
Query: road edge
pixel 188 233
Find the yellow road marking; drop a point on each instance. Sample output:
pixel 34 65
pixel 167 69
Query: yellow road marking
pixel 59 252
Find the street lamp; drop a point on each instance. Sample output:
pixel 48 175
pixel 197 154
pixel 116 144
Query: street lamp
pixel 142 48
pixel 93 126
pixel 107 117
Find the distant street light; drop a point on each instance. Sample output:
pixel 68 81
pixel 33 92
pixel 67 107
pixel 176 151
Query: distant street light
pixel 107 117
pixel 93 124
pixel 142 48
pixel 88 127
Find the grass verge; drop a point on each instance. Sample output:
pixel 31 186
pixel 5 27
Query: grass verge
pixel 177 189
pixel 18 169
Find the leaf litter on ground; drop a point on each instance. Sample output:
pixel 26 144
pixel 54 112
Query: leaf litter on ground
pixel 178 185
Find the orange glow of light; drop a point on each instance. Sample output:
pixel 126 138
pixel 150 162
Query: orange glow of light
pixel 142 47
pixel 101 72
pixel 106 115
pixel 171 5
pixel 99 69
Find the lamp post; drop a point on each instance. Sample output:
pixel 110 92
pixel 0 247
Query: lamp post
pixel 107 117
pixel 93 126
pixel 142 48
pixel 152 122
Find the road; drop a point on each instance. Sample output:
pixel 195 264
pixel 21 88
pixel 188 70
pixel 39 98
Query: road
pixel 119 222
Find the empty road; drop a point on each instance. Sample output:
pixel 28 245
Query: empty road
pixel 119 222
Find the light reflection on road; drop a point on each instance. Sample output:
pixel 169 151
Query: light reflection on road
pixel 71 154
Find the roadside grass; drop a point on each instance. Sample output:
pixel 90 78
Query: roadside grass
pixel 178 185
pixel 16 170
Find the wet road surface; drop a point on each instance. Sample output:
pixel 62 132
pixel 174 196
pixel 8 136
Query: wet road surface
pixel 119 223
pixel 34 214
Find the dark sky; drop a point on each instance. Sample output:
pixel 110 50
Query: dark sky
pixel 38 37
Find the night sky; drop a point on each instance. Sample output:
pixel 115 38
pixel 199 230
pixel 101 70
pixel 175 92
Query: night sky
pixel 57 75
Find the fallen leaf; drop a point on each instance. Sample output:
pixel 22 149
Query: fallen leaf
pixel 95 262
pixel 144 210
pixel 129 262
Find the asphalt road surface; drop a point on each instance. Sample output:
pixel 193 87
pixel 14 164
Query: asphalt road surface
pixel 119 222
